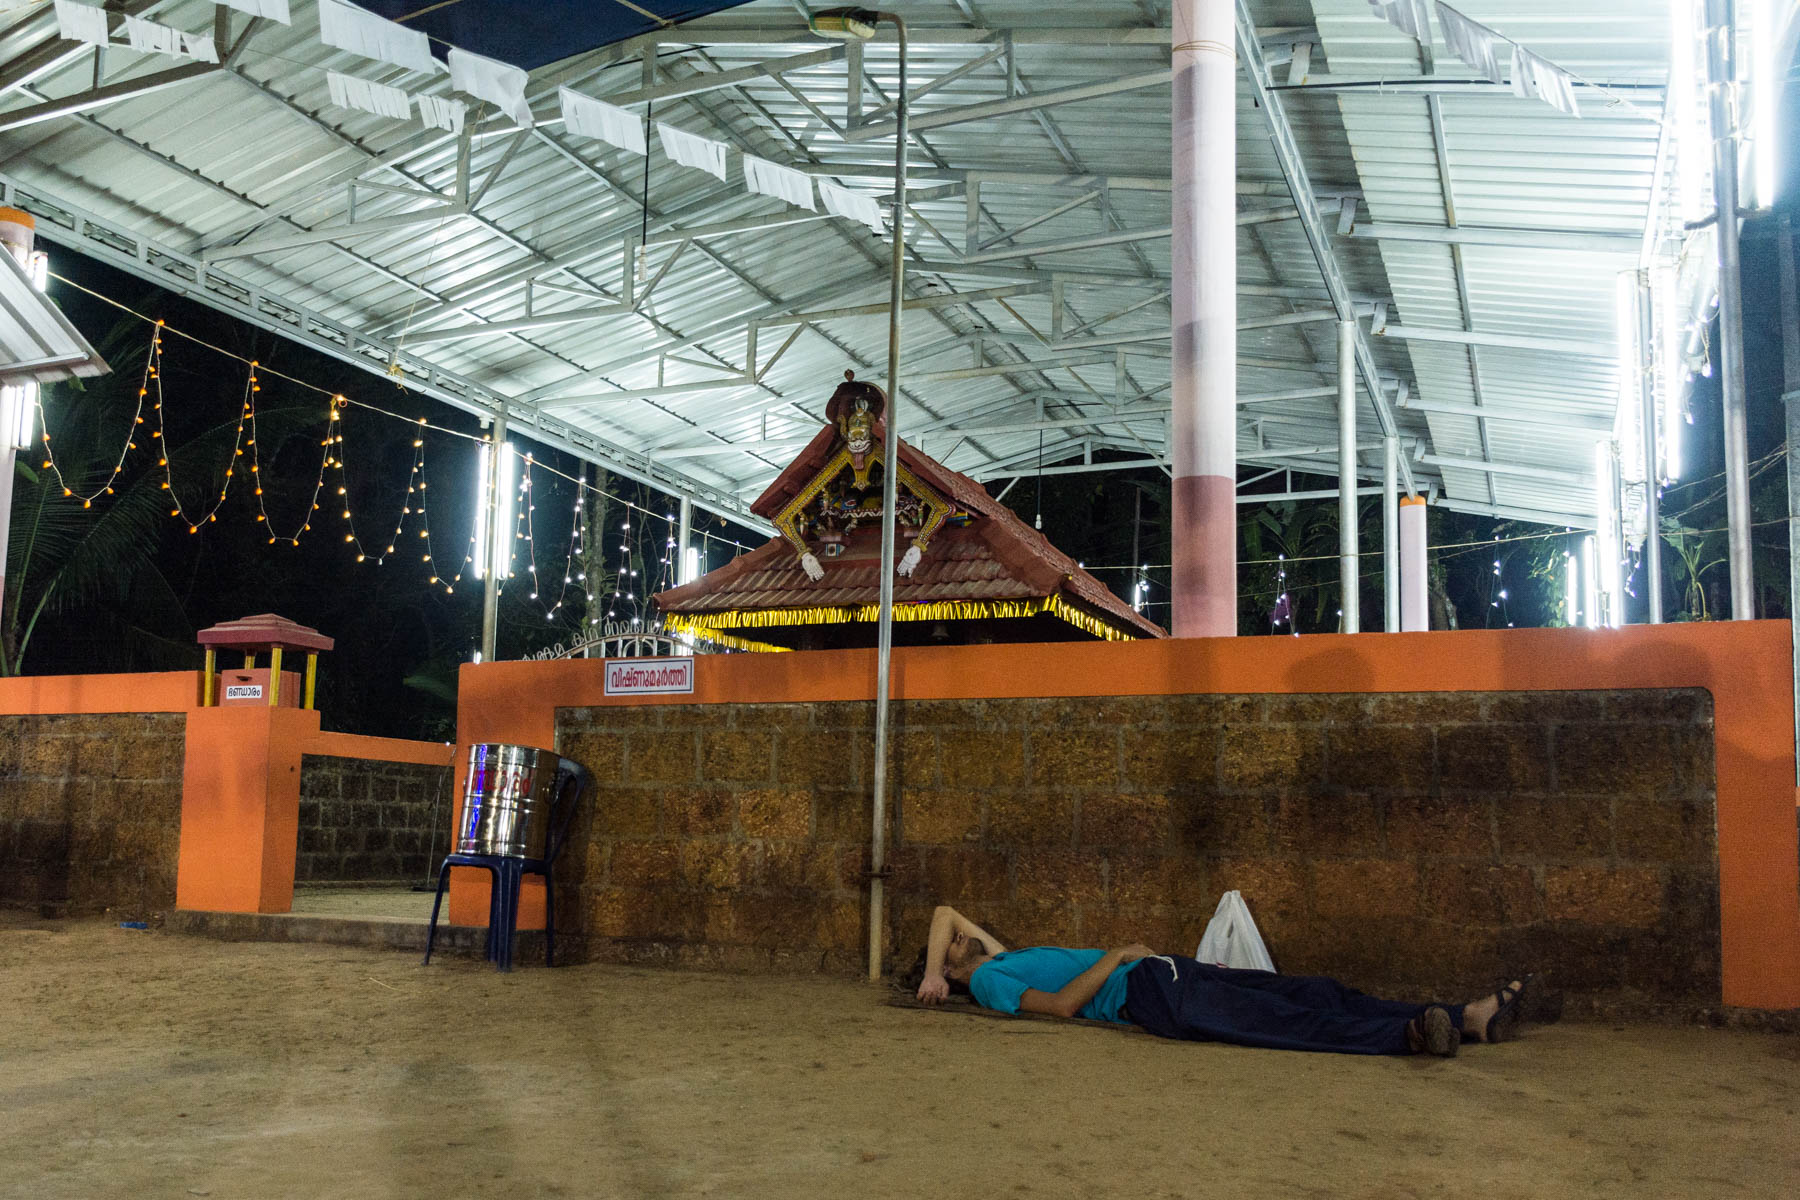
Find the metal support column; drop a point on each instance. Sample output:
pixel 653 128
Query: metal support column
pixel 1722 68
pixel 17 239
pixel 1349 589
pixel 1652 473
pixel 684 541
pixel 1390 534
pixel 1790 388
pixel 490 580
pixel 1415 610
pixel 890 477
pixel 1203 305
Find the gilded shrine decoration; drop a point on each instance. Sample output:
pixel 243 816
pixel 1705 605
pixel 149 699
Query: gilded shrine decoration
pixel 971 570
pixel 847 494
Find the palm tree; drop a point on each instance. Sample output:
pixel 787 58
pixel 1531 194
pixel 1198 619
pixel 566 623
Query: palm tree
pixel 96 565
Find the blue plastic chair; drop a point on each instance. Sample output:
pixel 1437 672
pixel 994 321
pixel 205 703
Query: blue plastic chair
pixel 572 783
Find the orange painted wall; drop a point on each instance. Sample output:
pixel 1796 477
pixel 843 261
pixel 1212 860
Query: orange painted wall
pixel 160 691
pixel 379 749
pixel 1747 666
pixel 240 806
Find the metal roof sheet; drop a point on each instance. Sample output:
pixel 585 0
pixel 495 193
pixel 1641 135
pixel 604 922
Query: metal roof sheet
pixel 182 184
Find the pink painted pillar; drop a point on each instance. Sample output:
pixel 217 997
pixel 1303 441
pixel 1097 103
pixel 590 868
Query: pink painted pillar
pixel 1203 429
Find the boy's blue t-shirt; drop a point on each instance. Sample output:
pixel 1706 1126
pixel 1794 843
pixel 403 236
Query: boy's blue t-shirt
pixel 1000 982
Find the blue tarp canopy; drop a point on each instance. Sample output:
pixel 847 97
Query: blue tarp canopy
pixel 530 33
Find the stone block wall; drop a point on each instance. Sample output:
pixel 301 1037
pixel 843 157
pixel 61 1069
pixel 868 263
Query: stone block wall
pixel 1414 844
pixel 368 821
pixel 90 811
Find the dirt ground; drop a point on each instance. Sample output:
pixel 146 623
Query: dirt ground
pixel 147 1065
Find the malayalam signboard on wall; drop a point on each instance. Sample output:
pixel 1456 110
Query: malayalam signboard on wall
pixel 649 676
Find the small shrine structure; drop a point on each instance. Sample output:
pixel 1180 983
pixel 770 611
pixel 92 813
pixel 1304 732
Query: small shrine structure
pixel 971 571
pixel 263 633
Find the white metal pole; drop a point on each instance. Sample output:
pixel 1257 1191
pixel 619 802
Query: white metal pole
pixel 17 236
pixel 1349 589
pixel 684 540
pixel 1390 534
pixel 1203 305
pixel 1646 358
pixel 890 478
pixel 1415 613
pixel 1722 67
pixel 490 583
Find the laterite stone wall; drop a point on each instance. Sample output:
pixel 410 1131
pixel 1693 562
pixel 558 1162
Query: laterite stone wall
pixel 1416 844
pixel 90 811
pixel 367 821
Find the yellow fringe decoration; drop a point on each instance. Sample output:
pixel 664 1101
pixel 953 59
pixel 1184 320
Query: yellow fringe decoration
pixel 693 627
pixel 708 625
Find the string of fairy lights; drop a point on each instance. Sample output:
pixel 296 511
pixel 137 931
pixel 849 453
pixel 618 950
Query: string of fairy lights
pixel 413 518
pixel 627 588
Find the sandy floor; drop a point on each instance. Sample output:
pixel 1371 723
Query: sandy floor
pixel 146 1065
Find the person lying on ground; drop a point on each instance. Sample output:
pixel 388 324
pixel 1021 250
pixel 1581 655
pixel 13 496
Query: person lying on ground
pixel 1178 997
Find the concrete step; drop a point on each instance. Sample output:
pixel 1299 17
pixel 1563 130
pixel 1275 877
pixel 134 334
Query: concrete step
pixel 379 933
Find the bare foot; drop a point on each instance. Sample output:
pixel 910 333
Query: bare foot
pixel 1477 1013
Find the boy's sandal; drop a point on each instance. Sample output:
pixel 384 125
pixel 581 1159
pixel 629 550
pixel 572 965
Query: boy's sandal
pixel 1433 1032
pixel 1503 1026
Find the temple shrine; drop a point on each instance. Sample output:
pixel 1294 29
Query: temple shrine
pixel 971 571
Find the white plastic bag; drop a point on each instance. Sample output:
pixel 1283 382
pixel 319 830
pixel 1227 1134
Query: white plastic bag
pixel 1231 939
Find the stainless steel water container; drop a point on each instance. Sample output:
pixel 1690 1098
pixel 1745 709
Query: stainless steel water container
pixel 507 799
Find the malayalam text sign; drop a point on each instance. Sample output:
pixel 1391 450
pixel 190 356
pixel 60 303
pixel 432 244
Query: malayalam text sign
pixel 649 676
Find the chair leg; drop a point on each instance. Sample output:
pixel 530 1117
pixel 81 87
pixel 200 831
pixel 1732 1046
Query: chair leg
pixel 549 917
pixel 509 930
pixel 496 914
pixel 436 902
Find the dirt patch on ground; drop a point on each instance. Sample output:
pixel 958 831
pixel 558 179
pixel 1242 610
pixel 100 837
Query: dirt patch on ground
pixel 144 1064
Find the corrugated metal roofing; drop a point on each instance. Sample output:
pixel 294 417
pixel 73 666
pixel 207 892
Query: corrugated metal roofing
pixel 183 183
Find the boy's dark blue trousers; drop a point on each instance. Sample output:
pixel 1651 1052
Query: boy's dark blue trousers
pixel 1176 997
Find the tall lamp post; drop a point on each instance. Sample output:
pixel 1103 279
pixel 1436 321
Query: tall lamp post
pixel 858 24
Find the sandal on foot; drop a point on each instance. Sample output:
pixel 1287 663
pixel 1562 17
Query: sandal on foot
pixel 1503 1026
pixel 1433 1032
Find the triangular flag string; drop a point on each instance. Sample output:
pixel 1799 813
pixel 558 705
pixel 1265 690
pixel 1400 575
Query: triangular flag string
pixel 347 91
pixel 500 84
pixel 784 183
pixel 691 150
pixel 1408 16
pixel 350 28
pixel 855 206
pixel 587 117
pixel 1473 42
pixel 274 10
pixel 81 23
pixel 441 113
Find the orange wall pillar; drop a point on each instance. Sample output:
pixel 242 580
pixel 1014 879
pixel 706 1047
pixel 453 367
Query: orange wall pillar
pixel 240 808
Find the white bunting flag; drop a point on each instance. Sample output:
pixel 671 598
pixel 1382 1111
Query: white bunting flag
pixel 151 37
pixel 692 151
pixel 347 91
pixel 439 113
pixel 200 47
pixel 80 23
pixel 1408 16
pixel 784 183
pixel 842 202
pixel 1473 42
pixel 274 10
pixel 500 84
pixel 350 28
pixel 587 117
pixel 1539 77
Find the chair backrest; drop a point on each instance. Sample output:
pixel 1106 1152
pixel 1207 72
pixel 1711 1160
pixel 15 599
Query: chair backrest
pixel 573 781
